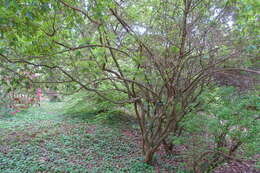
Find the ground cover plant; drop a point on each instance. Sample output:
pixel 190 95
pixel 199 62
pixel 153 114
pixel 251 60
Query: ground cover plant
pixel 42 140
pixel 48 139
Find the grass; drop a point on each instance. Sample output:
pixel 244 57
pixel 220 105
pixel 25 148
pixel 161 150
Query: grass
pixel 44 140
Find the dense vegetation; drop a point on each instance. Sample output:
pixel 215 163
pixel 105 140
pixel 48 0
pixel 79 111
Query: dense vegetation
pixel 140 85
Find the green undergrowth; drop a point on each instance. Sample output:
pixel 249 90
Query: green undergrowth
pixel 43 139
pixel 89 107
pixel 33 116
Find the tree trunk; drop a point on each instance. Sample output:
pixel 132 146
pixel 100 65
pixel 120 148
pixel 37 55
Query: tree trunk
pixel 168 147
pixel 149 157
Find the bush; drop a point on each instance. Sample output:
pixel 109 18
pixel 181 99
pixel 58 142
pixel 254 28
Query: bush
pixel 4 105
pixel 228 123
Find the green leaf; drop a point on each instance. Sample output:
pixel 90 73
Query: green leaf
pixel 175 49
pixel 29 15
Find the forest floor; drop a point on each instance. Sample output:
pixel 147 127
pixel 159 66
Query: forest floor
pixel 43 139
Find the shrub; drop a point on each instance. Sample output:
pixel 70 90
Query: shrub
pixel 228 123
pixel 4 105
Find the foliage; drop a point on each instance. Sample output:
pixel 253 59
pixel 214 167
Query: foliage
pixel 160 62
pixel 5 101
pixel 92 107
pixel 228 126
pixel 4 105
pixel 42 139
